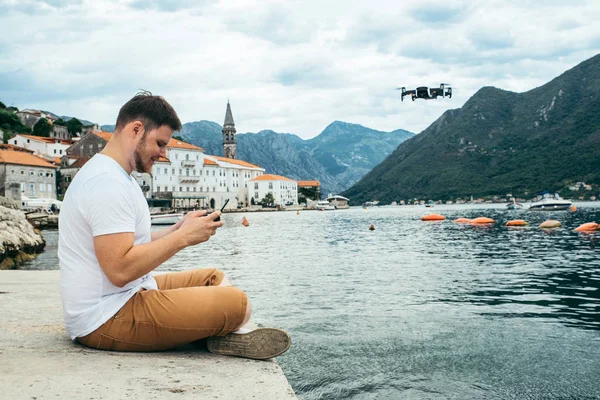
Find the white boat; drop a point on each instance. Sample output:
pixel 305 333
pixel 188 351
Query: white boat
pixel 34 203
pixel 550 203
pixel 165 219
pixel 324 205
pixel 339 202
pixel 514 205
pixel 368 204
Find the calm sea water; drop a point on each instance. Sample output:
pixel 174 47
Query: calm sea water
pixel 416 310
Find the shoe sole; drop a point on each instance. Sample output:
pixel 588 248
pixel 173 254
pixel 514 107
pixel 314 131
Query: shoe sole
pixel 259 344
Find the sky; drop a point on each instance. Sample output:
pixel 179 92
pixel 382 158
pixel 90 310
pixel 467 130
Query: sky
pixel 289 66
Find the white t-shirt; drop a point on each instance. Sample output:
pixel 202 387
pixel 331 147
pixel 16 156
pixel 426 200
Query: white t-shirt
pixel 102 199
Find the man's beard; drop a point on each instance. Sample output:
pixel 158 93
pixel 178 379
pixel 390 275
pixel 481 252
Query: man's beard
pixel 138 156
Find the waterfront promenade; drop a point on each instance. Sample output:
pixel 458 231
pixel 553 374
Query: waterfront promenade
pixel 39 361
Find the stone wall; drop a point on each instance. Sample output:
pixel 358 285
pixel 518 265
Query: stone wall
pixel 19 242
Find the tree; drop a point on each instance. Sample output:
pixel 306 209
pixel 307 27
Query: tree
pixel 42 128
pixel 268 199
pixel 2 105
pixel 178 138
pixel 74 126
pixel 60 122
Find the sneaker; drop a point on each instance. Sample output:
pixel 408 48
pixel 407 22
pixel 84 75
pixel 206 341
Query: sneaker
pixel 259 344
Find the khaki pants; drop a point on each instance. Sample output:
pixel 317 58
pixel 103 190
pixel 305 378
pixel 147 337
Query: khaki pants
pixel 188 306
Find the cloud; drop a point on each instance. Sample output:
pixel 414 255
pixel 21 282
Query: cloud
pixel 289 66
pixel 436 14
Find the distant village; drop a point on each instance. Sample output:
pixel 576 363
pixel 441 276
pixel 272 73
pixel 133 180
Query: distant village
pixel 37 167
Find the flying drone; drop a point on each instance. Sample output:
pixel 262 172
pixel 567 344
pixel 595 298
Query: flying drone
pixel 427 93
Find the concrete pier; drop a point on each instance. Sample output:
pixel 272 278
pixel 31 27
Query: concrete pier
pixel 39 361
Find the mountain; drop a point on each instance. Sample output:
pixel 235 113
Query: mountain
pixel 499 142
pixel 337 157
pixel 108 128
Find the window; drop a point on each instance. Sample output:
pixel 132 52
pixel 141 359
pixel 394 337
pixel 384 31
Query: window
pixel 270 185
pixel 180 189
pixel 166 171
pixel 157 171
pixel 22 187
pixel 31 173
pixel 143 183
pixel 49 187
pixel 41 173
pixel 255 185
pixel 187 188
pixel 173 171
pixel 177 156
pixel 54 151
pixel 158 189
pixel 187 157
pixel 32 189
pixel 42 187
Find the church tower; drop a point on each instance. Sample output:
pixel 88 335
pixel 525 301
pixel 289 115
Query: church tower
pixel 229 134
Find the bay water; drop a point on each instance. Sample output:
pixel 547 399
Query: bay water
pixel 417 310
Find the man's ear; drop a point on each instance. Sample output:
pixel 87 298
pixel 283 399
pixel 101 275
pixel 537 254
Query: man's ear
pixel 137 127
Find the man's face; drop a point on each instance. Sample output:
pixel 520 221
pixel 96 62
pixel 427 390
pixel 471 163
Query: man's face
pixel 151 147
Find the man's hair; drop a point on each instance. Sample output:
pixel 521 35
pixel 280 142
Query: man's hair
pixel 152 111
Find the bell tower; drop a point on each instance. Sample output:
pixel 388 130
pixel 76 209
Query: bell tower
pixel 229 134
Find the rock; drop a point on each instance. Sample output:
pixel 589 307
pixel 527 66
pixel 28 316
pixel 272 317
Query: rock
pixel 19 242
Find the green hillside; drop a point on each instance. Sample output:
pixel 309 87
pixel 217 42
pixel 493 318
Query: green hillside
pixel 499 142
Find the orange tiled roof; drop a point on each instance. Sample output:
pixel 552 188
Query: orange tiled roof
pixel 208 161
pixel 104 135
pixel 10 154
pixel 308 183
pixel 237 162
pixel 80 162
pixel 178 144
pixel 46 139
pixel 164 159
pixel 38 138
pixel 56 160
pixel 271 177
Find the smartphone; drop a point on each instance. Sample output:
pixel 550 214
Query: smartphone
pixel 222 208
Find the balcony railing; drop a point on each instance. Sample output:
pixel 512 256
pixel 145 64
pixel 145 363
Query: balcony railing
pixel 188 163
pixel 189 178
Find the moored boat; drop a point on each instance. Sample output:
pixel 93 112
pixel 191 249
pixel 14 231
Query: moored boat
pixel 550 203
pixel 165 219
pixel 324 205
pixel 514 205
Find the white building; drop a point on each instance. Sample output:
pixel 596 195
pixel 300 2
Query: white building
pixel 22 171
pixel 284 190
pixel 194 179
pixel 42 145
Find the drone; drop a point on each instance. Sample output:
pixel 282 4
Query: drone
pixel 427 93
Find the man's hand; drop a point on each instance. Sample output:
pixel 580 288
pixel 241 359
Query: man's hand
pixel 192 214
pixel 197 228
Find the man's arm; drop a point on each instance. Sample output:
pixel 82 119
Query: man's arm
pixel 123 262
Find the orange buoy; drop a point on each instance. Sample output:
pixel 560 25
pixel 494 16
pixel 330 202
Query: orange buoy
pixel 462 220
pixel 297 212
pixel 245 222
pixel 573 208
pixel 372 227
pixel 482 221
pixel 433 217
pixel 551 223
pixel 517 222
pixel 590 226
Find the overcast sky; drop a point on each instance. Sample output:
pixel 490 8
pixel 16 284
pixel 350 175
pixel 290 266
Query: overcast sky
pixel 289 66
